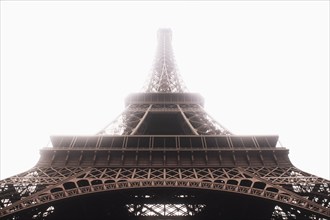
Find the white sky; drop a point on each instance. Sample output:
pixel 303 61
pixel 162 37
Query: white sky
pixel 263 68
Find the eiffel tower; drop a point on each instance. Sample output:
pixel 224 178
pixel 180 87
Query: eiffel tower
pixel 164 158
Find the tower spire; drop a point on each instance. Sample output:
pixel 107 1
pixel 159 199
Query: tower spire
pixel 165 77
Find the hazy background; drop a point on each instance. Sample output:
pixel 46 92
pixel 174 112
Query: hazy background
pixel 263 68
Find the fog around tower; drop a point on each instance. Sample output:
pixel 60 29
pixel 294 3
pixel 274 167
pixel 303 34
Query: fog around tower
pixel 262 67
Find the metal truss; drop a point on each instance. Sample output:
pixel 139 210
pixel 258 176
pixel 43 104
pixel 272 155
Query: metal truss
pixel 286 175
pixel 203 123
pixel 309 186
pixel 26 184
pixel 165 209
pixel 164 76
pixel 125 123
pixel 93 180
pixel 194 116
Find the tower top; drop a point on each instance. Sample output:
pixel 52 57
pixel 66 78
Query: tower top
pixel 164 76
pixel 164 32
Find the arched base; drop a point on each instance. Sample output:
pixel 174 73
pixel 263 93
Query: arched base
pixel 154 204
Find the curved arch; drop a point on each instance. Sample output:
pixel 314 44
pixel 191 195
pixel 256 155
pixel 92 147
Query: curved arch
pixel 232 182
pixel 272 189
pixel 246 182
pixel 69 185
pixel 82 183
pixel 259 185
pixel 254 190
pixel 56 189
pixel 109 181
pixel 96 182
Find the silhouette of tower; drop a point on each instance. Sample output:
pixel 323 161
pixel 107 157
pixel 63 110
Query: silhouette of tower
pixel 164 157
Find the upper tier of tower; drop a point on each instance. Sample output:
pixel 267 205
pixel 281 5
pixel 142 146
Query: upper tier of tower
pixel 165 77
pixel 164 108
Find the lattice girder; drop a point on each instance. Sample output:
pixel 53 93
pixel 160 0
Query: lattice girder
pixel 125 123
pixel 194 116
pixel 286 175
pixel 232 180
pixel 165 76
pixel 165 209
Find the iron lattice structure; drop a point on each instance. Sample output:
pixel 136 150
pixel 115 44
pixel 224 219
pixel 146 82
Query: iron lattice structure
pixel 164 157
